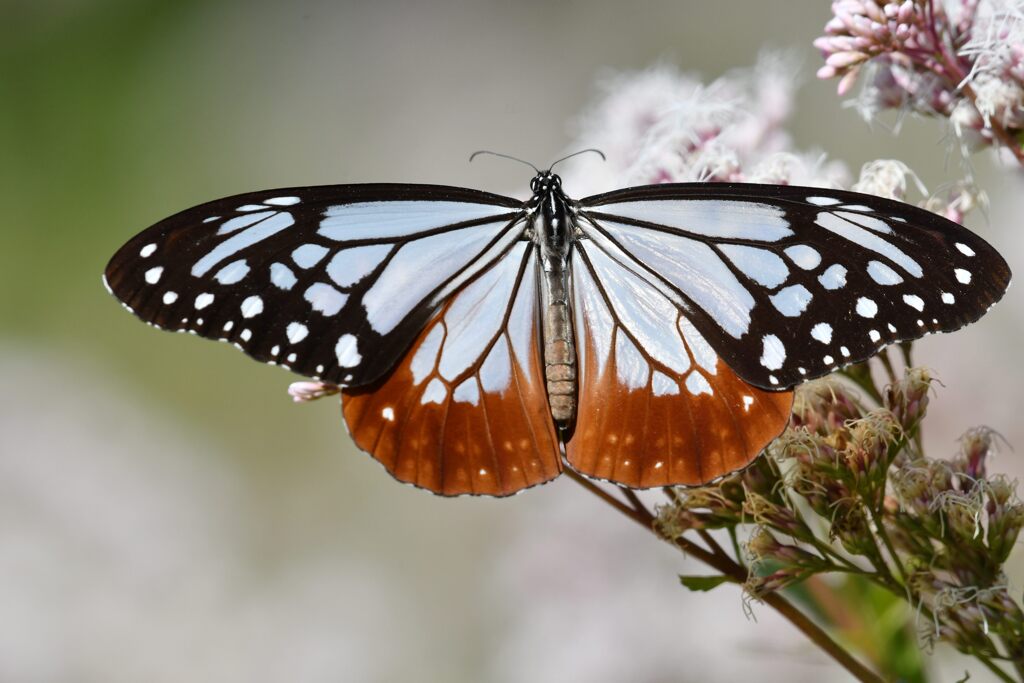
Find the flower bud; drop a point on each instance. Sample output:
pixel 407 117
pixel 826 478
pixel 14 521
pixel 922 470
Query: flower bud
pixel 850 526
pixel 975 446
pixel 303 392
pixel 908 398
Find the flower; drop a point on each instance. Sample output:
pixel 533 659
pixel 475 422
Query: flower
pixel 963 61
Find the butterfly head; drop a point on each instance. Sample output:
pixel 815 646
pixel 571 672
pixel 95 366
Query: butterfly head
pixel 545 182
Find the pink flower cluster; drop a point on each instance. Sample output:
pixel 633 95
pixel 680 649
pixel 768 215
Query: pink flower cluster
pixel 962 60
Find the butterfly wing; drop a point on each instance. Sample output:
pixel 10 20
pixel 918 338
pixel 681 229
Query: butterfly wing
pixel 465 411
pixel 657 406
pixel 334 282
pixel 789 283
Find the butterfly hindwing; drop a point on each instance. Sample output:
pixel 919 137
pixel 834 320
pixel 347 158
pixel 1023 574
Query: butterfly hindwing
pixel 465 411
pixel 333 282
pixel 657 406
pixel 790 283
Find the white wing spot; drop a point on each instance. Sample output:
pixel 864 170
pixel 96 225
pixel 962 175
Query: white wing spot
pixel 773 354
pixel 760 265
pixel 822 201
pixel 883 274
pixel 349 266
pixel 891 327
pixel 963 276
pixel 467 392
pixel 866 308
pixel 828 360
pixel 845 351
pixel 170 297
pixel 324 298
pixel 281 201
pixel 914 301
pixel 250 207
pixel 147 250
pixel 388 414
pixel 964 249
pixel 153 275
pixel 834 277
pixel 773 379
pixel 292 357
pixel 822 332
pixel 210 219
pixel 791 301
pixel 747 402
pixel 874 335
pixel 228 325
pixel 308 255
pixel 203 300
pixel 296 332
pixel 282 276
pixel 948 298
pixel 803 256
pixel 274 350
pixel 245 335
pixel 347 351
pixel 697 385
pixel 252 306
pixel 662 385
pixel 232 272
pixel 435 392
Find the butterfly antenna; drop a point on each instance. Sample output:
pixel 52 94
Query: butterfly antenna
pixel 474 155
pixel 576 154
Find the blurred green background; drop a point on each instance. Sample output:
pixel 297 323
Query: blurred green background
pixel 167 514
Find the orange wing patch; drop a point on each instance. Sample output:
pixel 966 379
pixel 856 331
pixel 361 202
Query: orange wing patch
pixel 466 411
pixel 658 409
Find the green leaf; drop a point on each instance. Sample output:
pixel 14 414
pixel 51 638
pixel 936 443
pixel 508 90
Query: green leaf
pixel 703 583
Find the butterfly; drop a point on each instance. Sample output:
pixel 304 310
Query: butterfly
pixel 648 336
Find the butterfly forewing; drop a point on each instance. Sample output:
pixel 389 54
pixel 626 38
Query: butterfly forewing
pixel 465 411
pixel 789 283
pixel 333 282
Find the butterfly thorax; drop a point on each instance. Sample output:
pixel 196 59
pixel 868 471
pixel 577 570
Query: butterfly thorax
pixel 553 229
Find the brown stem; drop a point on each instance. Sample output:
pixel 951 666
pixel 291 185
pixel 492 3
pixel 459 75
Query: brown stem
pixel 738 574
pixel 994 668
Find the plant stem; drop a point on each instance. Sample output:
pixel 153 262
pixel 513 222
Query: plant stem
pixel 884 535
pixel 737 574
pixel 994 668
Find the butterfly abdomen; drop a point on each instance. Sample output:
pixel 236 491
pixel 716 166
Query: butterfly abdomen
pixel 559 352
